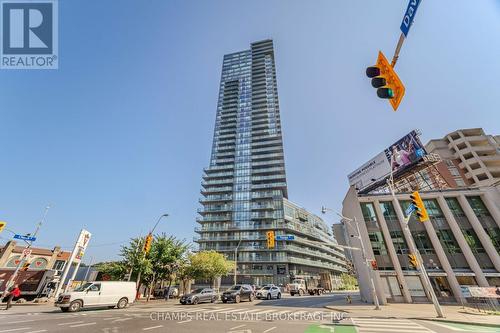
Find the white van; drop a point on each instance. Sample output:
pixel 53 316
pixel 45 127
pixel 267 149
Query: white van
pixel 98 294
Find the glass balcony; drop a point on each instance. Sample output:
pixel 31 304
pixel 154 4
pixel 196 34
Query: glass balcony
pixel 217 189
pixel 215 198
pixel 272 185
pixel 217 182
pixel 214 218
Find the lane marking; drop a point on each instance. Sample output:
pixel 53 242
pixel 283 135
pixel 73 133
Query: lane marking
pixel 16 329
pixel 20 321
pixel 233 328
pixel 448 327
pixel 70 323
pixel 269 330
pixel 110 318
pixel 39 331
pixel 151 328
pixel 122 319
pixel 86 324
pixel 184 321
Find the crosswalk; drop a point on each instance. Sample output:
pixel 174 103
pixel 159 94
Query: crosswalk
pixel 263 313
pixel 388 325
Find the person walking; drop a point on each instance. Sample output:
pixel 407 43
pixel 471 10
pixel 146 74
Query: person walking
pixel 14 292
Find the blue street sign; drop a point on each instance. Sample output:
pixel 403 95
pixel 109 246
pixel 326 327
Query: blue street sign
pixel 285 237
pixel 411 208
pixel 409 16
pixel 25 238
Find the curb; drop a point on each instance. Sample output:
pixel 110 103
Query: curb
pixel 459 322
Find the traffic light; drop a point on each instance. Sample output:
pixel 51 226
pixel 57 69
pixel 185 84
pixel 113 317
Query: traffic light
pixel 374 265
pixel 417 202
pixel 25 267
pixel 387 82
pixel 2 225
pixel 147 244
pixel 412 258
pixel 270 239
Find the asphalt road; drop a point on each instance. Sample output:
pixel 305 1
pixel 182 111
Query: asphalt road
pixel 288 315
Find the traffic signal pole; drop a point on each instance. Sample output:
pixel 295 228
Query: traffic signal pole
pixel 413 249
pixel 13 277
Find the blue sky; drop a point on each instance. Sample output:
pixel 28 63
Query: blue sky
pixel 120 133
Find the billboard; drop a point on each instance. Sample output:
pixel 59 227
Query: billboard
pixel 397 158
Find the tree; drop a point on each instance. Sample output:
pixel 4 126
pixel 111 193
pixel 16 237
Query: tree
pixel 116 270
pixel 166 255
pixel 208 265
pixel 349 282
pixel 135 259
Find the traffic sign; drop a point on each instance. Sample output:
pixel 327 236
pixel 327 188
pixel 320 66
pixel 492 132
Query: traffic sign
pixel 25 237
pixel 411 208
pixel 285 237
pixel 411 10
pixel 2 225
pixel 26 252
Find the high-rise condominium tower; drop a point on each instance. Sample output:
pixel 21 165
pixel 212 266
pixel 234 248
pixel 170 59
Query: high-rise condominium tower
pixel 245 189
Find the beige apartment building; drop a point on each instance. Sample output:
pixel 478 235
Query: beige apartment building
pixel 459 246
pixel 472 157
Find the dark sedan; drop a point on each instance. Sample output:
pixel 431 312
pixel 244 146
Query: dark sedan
pixel 237 293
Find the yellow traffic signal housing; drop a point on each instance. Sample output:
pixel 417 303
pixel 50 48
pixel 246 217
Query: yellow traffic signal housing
pixel 2 225
pixel 412 258
pixel 387 82
pixel 270 239
pixel 26 265
pixel 147 243
pixel 421 212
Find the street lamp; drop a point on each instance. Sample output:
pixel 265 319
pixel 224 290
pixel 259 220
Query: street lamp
pixel 139 245
pixel 236 257
pixel 363 253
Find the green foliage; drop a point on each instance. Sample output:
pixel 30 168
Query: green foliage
pixel 116 270
pixel 349 282
pixel 208 265
pixel 166 256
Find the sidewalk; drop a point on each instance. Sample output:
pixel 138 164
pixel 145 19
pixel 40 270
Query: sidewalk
pixel 452 313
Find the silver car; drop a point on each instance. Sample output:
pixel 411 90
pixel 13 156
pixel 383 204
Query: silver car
pixel 199 295
pixel 269 292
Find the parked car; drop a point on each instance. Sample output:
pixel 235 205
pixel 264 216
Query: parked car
pixel 98 294
pixel 269 292
pixel 199 295
pixel 162 292
pixel 238 293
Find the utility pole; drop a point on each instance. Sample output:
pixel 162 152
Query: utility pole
pixel 25 254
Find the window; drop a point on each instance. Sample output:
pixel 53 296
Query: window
pixel 448 241
pixel 368 212
pixel 95 287
pixel 455 207
pixel 377 242
pixel 432 208
pixel 59 265
pixel 478 206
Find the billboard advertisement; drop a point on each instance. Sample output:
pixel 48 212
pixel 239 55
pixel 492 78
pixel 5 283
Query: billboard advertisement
pixel 397 158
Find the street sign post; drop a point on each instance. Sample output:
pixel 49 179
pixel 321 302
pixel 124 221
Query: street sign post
pixel 285 237
pixel 25 238
pixel 411 10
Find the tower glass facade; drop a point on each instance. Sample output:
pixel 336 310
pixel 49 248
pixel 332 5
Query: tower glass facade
pixel 244 188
